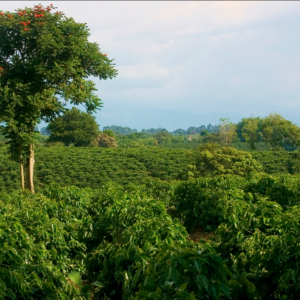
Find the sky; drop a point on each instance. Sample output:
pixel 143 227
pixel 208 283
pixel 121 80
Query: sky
pixel 189 63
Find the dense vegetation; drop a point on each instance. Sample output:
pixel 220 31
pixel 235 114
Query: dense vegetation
pixel 137 244
pixel 140 222
pixel 92 167
pixel 121 214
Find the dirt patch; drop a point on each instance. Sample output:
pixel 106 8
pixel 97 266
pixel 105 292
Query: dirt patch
pixel 199 234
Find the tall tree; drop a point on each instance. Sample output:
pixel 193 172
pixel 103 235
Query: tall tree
pixel 45 61
pixel 250 131
pixel 227 131
pixel 277 131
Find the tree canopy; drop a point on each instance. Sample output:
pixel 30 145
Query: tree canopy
pixel 45 61
pixel 74 127
pixel 277 131
pixel 212 159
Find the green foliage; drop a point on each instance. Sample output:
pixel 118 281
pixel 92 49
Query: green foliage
pixel 261 242
pixel 119 129
pixel 186 145
pixel 133 236
pixel 163 137
pixel 73 127
pixel 92 167
pixel 40 243
pixel 251 131
pixel 277 131
pixel 131 242
pixel 189 172
pixel 85 290
pixel 204 133
pixel 109 133
pixel 130 144
pixel 40 62
pixel 179 272
pixel 283 189
pixel 214 137
pixel 227 131
pixel 278 162
pixel 211 159
pixel 196 201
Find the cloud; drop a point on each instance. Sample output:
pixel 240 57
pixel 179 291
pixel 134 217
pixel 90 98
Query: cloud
pixel 146 70
pixel 197 56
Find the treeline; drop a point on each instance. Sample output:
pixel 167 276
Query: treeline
pixel 79 129
pixel 191 130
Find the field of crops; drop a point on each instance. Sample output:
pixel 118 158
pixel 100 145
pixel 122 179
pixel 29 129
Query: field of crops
pixel 209 238
pixel 131 230
pixel 92 167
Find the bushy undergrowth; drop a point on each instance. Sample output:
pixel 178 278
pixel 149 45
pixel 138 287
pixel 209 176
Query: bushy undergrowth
pixel 256 228
pixel 261 243
pixel 39 243
pixel 109 235
pixel 133 241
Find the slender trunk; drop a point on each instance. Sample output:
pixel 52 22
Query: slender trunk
pixel 22 175
pixel 30 169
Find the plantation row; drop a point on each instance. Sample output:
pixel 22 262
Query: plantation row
pixel 92 167
pixel 117 244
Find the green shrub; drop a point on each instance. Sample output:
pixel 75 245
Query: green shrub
pixel 283 189
pixel 132 233
pixel 196 201
pixel 212 160
pixel 179 272
pixel 261 243
pixel 40 243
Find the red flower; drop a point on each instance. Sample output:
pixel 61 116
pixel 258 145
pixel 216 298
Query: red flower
pixel 28 22
pixel 51 4
pixel 1 14
pixel 24 24
pixel 43 10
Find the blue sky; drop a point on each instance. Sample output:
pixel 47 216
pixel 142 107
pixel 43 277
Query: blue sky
pixel 185 64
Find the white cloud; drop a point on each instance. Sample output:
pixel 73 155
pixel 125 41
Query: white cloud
pixel 194 54
pixel 143 71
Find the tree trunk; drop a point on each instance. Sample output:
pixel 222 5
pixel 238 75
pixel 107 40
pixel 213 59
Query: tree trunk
pixel 22 175
pixel 30 169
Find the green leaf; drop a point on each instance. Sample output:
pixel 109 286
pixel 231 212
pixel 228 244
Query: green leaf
pixel 98 284
pixel 75 277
